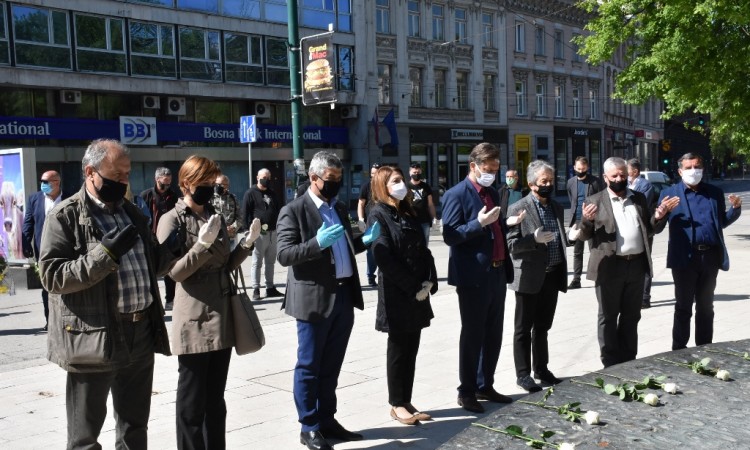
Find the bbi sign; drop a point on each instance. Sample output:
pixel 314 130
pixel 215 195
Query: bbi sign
pixel 138 130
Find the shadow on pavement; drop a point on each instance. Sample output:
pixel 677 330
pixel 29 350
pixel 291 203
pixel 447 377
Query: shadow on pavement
pixel 21 332
pixel 14 313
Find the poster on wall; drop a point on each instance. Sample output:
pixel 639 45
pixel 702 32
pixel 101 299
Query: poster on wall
pixel 318 66
pixel 12 200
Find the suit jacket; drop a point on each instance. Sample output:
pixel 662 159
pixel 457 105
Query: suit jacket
pixel 470 243
pixel 594 185
pixel 645 187
pixel 680 247
pixel 311 278
pixel 504 193
pixel 603 234
pixel 33 224
pixel 529 257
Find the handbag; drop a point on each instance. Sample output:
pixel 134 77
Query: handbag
pixel 248 333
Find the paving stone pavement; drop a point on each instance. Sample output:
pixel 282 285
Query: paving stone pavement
pixel 261 412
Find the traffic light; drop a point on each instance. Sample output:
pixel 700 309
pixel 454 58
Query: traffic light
pixel 701 121
pixel 665 161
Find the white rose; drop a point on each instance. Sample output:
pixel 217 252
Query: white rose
pixel 566 446
pixel 592 417
pixel 264 227
pixel 723 375
pixel 651 399
pixel 670 388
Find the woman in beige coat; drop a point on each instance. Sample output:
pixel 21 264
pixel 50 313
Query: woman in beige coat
pixel 202 325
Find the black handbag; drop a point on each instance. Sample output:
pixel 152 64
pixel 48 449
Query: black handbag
pixel 248 333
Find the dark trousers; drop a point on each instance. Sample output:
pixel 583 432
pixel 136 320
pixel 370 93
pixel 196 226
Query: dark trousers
pixel 578 257
pixel 696 282
pixel 372 266
pixel 482 309
pixel 45 303
pixel 201 409
pixel 86 396
pixel 321 347
pixel 401 362
pixel 647 279
pixel 620 293
pixel 534 314
pixel 169 285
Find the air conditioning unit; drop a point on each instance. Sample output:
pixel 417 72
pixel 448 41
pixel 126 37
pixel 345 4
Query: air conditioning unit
pixel 262 110
pixel 349 112
pixel 176 106
pixel 70 97
pixel 151 102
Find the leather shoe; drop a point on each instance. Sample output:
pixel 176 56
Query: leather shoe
pixel 335 430
pixel 314 440
pixel 419 414
pixel 470 404
pixel 493 396
pixel 527 383
pixel 408 421
pixel 372 282
pixel 575 284
pixel 547 377
pixel 273 292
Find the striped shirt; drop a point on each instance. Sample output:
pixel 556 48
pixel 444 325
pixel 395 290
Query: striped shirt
pixel 549 222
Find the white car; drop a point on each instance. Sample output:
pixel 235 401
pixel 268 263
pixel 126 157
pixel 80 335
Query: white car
pixel 659 180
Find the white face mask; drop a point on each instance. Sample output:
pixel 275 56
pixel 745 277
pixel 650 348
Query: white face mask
pixel 485 179
pixel 398 191
pixel 692 177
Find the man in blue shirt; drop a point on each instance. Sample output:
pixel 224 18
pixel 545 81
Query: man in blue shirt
pixel 580 186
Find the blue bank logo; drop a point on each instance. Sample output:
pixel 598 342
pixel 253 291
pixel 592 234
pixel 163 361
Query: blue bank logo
pixel 138 130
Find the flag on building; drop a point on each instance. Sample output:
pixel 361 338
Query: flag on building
pixel 376 126
pixel 390 123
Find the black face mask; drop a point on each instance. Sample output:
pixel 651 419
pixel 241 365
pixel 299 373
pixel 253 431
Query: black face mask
pixel 162 186
pixel 580 174
pixel 545 191
pixel 415 177
pixel 264 182
pixel 111 191
pixel 330 189
pixel 219 189
pixel 202 194
pixel 618 186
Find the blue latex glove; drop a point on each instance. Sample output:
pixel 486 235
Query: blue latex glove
pixel 328 235
pixel 371 234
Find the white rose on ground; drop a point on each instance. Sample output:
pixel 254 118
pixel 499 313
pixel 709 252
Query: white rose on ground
pixel 723 375
pixel 670 388
pixel 651 399
pixel 566 446
pixel 592 417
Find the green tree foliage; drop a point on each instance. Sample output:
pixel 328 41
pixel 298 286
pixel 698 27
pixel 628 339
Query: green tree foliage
pixel 693 54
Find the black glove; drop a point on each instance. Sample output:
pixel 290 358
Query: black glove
pixel 175 242
pixel 117 242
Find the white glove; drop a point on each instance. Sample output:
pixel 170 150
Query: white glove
pixel 573 233
pixel 209 230
pixel 515 220
pixel 362 225
pixel 543 237
pixel 487 217
pixel 436 222
pixel 423 293
pixel 251 235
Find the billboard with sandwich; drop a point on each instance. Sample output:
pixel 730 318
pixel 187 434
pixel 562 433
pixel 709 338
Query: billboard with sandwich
pixel 318 62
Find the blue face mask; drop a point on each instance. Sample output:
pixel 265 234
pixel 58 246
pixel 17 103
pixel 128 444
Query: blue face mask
pixel 46 188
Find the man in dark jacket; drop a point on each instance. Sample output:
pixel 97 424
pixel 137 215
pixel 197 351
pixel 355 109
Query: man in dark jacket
pixel 260 202
pixel 510 192
pixel 422 200
pixel 99 261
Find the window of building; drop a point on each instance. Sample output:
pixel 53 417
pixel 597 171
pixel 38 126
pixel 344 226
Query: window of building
pixel 488 37
pixel 559 100
pixel 489 92
pixel 440 90
pixel 539 41
pixel 276 11
pixel 438 22
pixel 462 90
pixel 576 48
pixel 152 50
pixel 169 3
pixel 520 98
pixel 383 16
pixel 200 54
pixel 576 96
pixel 100 44
pixel 319 13
pixel 277 62
pixel 559 47
pixel 248 9
pixel 460 25
pixel 414 18
pixel 415 77
pixel 345 69
pixel 541 104
pixel 42 37
pixel 384 84
pixel 594 99
pixel 4 47
pixel 209 6
pixel 520 38
pixel 244 58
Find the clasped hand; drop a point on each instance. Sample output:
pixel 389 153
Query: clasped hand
pixel 574 232
pixel 543 237
pixel 423 293
pixel 487 217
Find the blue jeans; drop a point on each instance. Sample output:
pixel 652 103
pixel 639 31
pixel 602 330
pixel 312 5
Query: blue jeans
pixel 372 266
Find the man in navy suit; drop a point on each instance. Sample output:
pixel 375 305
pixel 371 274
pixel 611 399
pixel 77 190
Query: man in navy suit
pixel 479 266
pixel 696 251
pixel 315 242
pixel 37 207
pixel 639 184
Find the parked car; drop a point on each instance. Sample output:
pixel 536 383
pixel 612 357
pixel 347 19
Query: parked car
pixel 659 180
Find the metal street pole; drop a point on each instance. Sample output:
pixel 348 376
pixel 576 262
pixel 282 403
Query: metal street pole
pixel 296 89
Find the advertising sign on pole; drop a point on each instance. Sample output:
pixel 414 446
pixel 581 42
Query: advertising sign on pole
pixel 319 63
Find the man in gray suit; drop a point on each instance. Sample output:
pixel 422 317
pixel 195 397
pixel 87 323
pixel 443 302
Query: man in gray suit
pixel 315 242
pixel 537 248
pixel 618 222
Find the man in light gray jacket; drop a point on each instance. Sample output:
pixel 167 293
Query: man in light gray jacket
pixel 99 261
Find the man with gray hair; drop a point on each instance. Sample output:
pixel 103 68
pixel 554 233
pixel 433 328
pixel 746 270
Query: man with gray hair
pixel 99 261
pixel 619 223
pixel 261 202
pixel 317 245
pixel 537 247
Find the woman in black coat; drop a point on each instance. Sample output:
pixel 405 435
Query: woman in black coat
pixel 407 277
